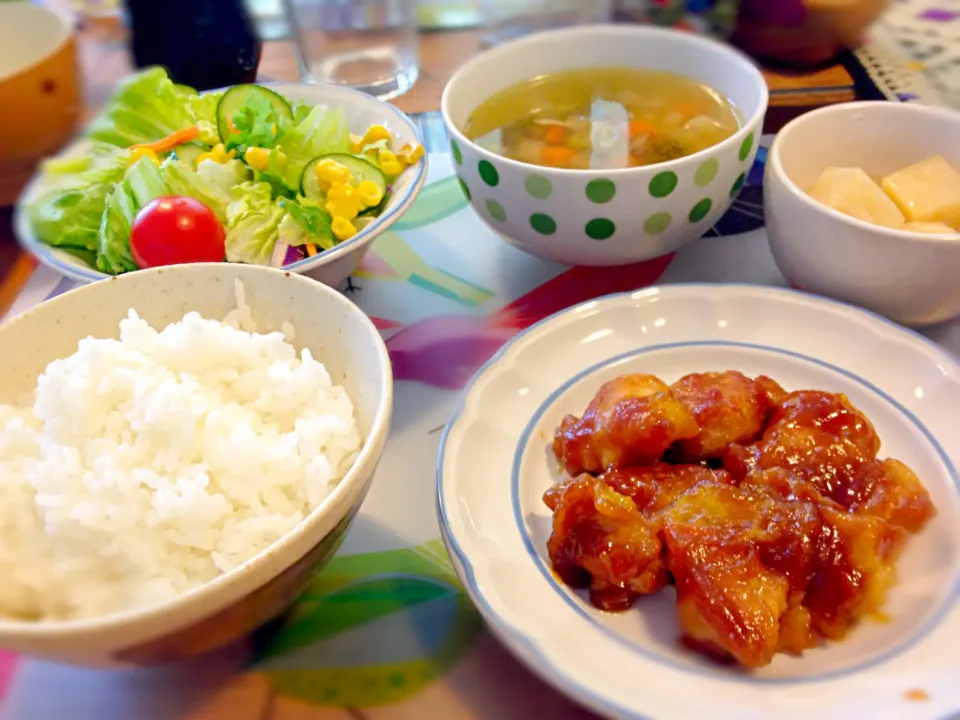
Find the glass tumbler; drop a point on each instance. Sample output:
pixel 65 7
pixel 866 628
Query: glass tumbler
pixel 369 45
pixel 508 19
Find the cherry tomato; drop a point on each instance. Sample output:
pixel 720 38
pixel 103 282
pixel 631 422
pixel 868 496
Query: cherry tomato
pixel 173 230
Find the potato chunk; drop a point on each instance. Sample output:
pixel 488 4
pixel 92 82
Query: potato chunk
pixel 853 192
pixel 927 192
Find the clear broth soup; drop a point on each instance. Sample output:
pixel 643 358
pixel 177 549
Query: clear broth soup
pixel 602 118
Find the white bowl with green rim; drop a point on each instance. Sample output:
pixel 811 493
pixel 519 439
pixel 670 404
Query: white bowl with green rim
pixel 605 217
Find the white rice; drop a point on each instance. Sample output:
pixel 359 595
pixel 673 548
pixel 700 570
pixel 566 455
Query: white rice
pixel 150 465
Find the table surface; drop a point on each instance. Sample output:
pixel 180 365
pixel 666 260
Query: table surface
pixel 486 682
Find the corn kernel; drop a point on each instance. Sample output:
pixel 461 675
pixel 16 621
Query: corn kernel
pixel 330 172
pixel 342 228
pixel 356 143
pixel 369 193
pixel 375 133
pixel 142 152
pixel 343 201
pixel 391 168
pixel 258 158
pixel 218 154
pixel 410 153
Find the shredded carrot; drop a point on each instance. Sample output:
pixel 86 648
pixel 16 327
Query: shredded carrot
pixel 233 128
pixel 556 134
pixel 639 127
pixel 557 155
pixel 686 109
pixel 311 249
pixel 171 141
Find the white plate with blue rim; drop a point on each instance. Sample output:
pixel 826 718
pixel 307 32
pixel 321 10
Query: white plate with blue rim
pixel 330 266
pixel 494 466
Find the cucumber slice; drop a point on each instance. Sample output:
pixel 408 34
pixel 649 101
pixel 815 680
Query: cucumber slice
pixel 359 168
pixel 234 98
pixel 187 155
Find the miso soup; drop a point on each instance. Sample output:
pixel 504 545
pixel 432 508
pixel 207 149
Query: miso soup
pixel 602 118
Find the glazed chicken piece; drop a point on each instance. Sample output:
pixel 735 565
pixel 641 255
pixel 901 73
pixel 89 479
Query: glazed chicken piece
pixel 606 535
pixel 855 553
pixel 728 406
pixel 601 541
pixel 890 490
pixel 632 420
pixel 856 556
pixel 819 436
pixel 741 561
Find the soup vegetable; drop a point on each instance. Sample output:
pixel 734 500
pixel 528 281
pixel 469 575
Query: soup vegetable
pixel 602 118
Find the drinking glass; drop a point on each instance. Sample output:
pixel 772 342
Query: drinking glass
pixel 370 45
pixel 507 19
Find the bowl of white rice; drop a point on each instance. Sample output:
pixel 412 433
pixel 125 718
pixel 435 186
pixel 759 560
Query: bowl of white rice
pixel 181 449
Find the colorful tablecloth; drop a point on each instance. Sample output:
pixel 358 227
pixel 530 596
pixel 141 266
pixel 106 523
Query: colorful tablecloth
pixel 913 52
pixel 386 632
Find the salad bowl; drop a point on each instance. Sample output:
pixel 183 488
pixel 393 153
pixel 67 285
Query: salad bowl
pixel 331 266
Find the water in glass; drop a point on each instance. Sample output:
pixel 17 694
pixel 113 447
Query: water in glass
pixel 370 45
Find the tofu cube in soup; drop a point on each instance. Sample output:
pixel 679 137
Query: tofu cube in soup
pixel 927 192
pixel 853 192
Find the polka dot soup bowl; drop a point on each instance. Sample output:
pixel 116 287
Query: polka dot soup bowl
pixel 605 217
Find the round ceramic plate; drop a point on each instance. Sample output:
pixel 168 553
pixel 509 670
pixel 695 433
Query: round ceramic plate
pixel 495 463
pixel 361 110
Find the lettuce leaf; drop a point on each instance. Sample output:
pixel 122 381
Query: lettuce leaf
pixel 68 209
pixel 323 130
pixel 209 185
pixel 253 224
pixel 142 183
pixel 257 124
pixel 306 223
pixel 147 107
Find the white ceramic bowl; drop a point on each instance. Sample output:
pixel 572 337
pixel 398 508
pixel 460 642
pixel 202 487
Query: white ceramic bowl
pixel 231 606
pixel 330 267
pixel 608 217
pixel 909 277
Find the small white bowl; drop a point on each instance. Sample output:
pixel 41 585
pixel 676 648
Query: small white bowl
pixel 909 277
pixel 606 217
pixel 330 267
pixel 234 604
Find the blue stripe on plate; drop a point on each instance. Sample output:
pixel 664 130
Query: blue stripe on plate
pixel 937 617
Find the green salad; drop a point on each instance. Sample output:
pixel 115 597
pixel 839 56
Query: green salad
pixel 244 175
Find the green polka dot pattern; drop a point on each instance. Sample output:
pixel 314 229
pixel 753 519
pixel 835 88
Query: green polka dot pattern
pixel 538 186
pixel 663 184
pixel 463 186
pixel 600 229
pixel 738 185
pixel 601 191
pixel 496 210
pixel 701 210
pixel 746 147
pixel 658 223
pixel 706 172
pixel 488 173
pixel 543 223
pixel 455 149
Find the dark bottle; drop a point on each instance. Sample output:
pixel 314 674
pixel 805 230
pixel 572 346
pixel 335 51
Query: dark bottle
pixel 205 44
